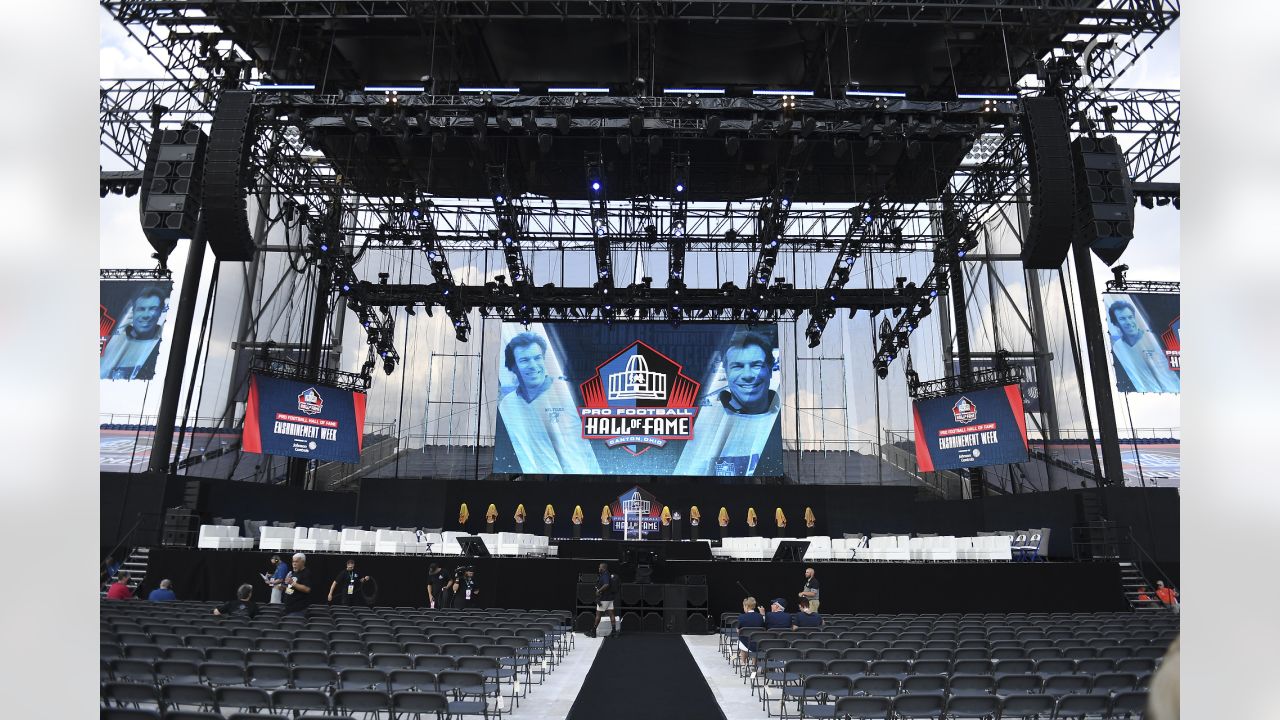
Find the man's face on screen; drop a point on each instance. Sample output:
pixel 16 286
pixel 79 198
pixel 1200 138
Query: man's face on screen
pixel 531 365
pixel 146 313
pixel 748 371
pixel 1127 320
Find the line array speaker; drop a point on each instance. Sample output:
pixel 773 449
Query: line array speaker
pixel 169 201
pixel 225 220
pixel 1053 184
pixel 1106 200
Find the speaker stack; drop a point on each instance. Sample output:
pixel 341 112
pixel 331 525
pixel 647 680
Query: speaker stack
pixel 1106 201
pixel 225 221
pixel 1053 184
pixel 169 201
pixel 650 607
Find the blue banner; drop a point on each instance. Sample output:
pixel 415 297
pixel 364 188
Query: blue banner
pixel 983 427
pixel 303 420
pixel 639 399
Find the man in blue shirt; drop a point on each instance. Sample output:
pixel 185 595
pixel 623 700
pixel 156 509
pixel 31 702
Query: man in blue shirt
pixel 606 592
pixel 778 618
pixel 806 618
pixel 164 593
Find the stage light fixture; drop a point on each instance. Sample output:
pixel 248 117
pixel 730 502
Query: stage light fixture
pixel 563 123
pixel 873 146
pixel 841 147
pixel 713 125
pixel 1148 202
pixel 437 142
pixel 731 145
pixel 544 143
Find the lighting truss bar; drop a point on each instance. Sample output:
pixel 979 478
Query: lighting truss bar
pixel 277 88
pixel 978 380
pixel 135 274
pixel 918 301
pixel 982 96
pixel 850 250
pixel 578 90
pixel 303 372
pixel 784 93
pixel 491 90
pixel 395 89
pixel 508 226
pixel 771 223
pixel 693 91
pixel 1144 286
pixel 443 275
pixel 1119 16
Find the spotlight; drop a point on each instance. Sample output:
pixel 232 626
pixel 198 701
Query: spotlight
pixel 679 187
pixel 1148 202
pixel 882 371
pixel 595 186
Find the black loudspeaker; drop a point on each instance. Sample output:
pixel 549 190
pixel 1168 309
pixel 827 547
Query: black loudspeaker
pixel 1053 184
pixel 584 621
pixel 652 595
pixel 652 622
pixel 225 220
pixel 178 527
pixel 169 201
pixel 630 594
pixel 586 594
pixel 696 623
pixel 1105 196
pixel 631 621
pixel 697 595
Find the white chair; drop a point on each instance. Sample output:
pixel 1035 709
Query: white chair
pixel 275 538
pixel 819 548
pixel 449 543
pixel 355 540
pixel 389 542
pixel 942 548
pixel 221 537
pixel 320 540
pixel 508 544
pixel 916 547
pixel 998 548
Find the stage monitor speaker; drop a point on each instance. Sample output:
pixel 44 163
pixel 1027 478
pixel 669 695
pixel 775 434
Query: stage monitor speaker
pixel 696 623
pixel 631 621
pixel 630 594
pixel 169 197
pixel 697 595
pixel 584 621
pixel 586 594
pixel 652 595
pixel 1053 184
pixel 1106 200
pixel 225 220
pixel 652 622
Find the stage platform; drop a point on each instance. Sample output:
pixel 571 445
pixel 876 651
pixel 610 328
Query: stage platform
pixel 551 583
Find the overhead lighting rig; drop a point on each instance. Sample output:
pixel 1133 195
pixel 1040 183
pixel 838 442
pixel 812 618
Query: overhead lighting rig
pixel 678 242
pixel 850 250
pixel 918 304
pixel 771 221
pixel 429 240
pixel 508 233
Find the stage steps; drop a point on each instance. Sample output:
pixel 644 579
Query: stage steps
pixel 1133 581
pixel 136 565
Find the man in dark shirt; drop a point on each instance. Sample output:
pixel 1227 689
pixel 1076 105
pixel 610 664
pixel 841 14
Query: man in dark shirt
pixel 465 591
pixel 778 618
pixel 436 581
pixel 345 584
pixel 806 618
pixel 242 605
pixel 606 593
pixel 750 619
pixel 810 591
pixel 297 591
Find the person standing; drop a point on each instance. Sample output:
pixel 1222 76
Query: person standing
pixel 345 584
pixel 465 590
pixel 119 590
pixel 810 591
pixel 164 593
pixel 275 581
pixel 436 581
pixel 606 592
pixel 297 590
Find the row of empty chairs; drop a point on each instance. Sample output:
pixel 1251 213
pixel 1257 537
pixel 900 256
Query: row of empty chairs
pixel 1000 659
pixel 360 541
pixel 357 660
pixel 901 548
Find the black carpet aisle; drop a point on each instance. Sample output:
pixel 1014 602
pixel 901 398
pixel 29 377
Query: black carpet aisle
pixel 645 676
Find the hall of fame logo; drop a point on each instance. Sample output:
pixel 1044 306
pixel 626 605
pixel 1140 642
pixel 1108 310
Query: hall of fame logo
pixel 638 399
pixel 636 506
pixel 964 411
pixel 310 402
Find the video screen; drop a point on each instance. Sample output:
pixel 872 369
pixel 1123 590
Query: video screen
pixel 639 399
pixel 1146 341
pixel 131 315
pixel 972 429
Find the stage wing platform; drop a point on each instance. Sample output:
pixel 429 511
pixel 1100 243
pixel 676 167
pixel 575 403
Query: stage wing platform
pixel 551 583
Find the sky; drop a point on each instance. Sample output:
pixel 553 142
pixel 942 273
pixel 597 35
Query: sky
pixel 434 361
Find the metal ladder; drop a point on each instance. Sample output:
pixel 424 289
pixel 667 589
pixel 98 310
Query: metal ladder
pixel 1133 581
pixel 135 565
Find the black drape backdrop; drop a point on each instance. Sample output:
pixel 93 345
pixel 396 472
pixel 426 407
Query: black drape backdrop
pixel 552 583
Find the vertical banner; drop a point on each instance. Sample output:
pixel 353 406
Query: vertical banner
pixel 639 399
pixel 131 315
pixel 1146 341
pixel 983 427
pixel 303 420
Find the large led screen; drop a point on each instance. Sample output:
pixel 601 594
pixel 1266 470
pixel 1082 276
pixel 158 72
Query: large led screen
pixel 131 315
pixel 639 399
pixel 982 427
pixel 1146 341
pixel 303 420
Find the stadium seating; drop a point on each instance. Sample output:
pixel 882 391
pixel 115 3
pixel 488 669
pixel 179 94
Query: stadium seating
pixel 366 660
pixel 1095 665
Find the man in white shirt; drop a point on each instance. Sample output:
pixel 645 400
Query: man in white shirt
pixel 735 424
pixel 1139 354
pixel 541 415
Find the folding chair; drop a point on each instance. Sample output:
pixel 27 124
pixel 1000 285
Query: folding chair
pixel 1027 707
pixel 1083 706
pixel 298 701
pixel 919 706
pixel 417 704
pixel 975 707
pixel 864 708
pixel 826 689
pixel 362 701
pixel 245 698
pixel 459 686
pixel 1132 704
